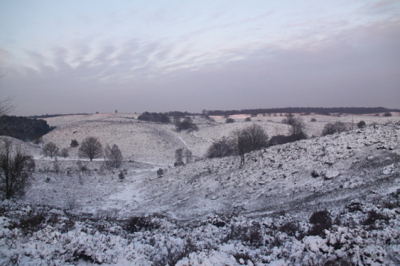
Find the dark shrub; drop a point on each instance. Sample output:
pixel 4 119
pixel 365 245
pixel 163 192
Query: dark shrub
pixel 220 148
pixel 313 120
pixel 186 124
pixel 74 143
pixel 336 127
pixel 247 119
pixel 160 172
pixel 250 235
pixel 243 256
pixel 136 224
pixel 320 220
pixel 230 120
pixel 361 124
pixel 121 176
pixel 314 174
pixel 374 216
pixel 354 207
pixel 32 223
pixel 290 228
pixel 387 114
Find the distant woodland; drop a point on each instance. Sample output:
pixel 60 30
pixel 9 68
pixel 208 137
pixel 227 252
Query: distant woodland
pixel 23 128
pixel 304 110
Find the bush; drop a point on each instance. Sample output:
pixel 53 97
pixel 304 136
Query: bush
pixel 220 148
pixel 186 124
pixel 50 149
pixel 387 114
pixel 361 124
pixel 121 176
pixel 15 169
pixel 320 220
pixel 336 127
pixel 290 228
pixel 160 172
pixel 248 119
pixel 313 120
pixel 74 143
pixel 91 148
pixel 374 216
pixel 230 120
pixel 136 224
pixel 32 223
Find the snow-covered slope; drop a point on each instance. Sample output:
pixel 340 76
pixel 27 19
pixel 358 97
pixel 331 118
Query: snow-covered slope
pixel 306 175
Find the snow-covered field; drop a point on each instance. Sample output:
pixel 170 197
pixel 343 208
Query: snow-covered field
pixel 330 200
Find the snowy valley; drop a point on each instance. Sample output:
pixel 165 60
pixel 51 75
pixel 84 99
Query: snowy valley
pixel 325 200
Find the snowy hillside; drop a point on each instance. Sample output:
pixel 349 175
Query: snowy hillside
pixel 156 143
pixel 330 200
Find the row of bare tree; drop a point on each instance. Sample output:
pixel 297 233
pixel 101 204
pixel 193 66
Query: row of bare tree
pixel 90 148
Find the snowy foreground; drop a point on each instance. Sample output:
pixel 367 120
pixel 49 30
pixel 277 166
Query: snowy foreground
pixel 330 200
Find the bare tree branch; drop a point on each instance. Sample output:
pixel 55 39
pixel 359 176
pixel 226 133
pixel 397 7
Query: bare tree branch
pixel 6 105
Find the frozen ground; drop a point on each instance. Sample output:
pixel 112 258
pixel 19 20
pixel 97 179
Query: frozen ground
pixel 210 212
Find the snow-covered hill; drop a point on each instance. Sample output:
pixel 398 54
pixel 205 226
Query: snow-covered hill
pixel 330 200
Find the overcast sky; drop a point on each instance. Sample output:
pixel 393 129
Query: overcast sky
pixel 134 56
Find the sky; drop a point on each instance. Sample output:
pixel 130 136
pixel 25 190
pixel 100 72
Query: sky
pixel 87 56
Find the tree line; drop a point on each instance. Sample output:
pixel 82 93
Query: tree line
pixel 304 110
pixel 23 128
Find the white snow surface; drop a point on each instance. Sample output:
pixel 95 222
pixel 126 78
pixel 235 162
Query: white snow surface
pixel 212 211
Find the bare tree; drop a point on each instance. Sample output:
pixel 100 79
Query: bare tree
pixel 240 143
pixel 249 139
pixel 296 123
pixel 15 169
pixel 113 156
pixel 50 149
pixel 6 105
pixel 91 148
pixel 297 126
pixel 289 119
pixel 257 138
